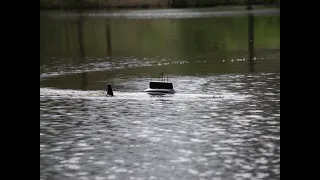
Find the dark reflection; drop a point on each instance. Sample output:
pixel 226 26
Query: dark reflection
pixel 251 41
pixel 249 5
pixel 80 37
pixel 81 49
pixel 108 35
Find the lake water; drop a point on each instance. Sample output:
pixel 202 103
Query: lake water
pixel 223 122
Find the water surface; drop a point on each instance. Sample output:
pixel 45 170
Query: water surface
pixel 223 122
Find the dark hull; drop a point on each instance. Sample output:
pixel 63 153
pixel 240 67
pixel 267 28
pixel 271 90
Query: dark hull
pixel 159 91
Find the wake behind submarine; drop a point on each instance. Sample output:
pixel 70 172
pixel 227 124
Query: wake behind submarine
pixel 160 87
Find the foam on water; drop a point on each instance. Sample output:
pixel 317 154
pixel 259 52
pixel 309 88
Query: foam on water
pixel 167 13
pixel 100 94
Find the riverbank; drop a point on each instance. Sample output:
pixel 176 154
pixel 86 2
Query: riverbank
pixel 148 4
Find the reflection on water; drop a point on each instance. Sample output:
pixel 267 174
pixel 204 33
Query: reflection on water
pixel 223 122
pixel 216 45
pixel 251 41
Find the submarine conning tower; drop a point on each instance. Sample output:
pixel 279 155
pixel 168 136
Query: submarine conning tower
pixel 160 85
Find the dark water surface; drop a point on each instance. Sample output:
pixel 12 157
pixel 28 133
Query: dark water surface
pixel 223 122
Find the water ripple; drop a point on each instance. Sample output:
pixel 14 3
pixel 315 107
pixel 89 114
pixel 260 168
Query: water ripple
pixel 86 135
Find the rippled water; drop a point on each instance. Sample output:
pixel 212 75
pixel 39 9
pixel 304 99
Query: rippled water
pixel 226 126
pixel 223 122
pixel 168 13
